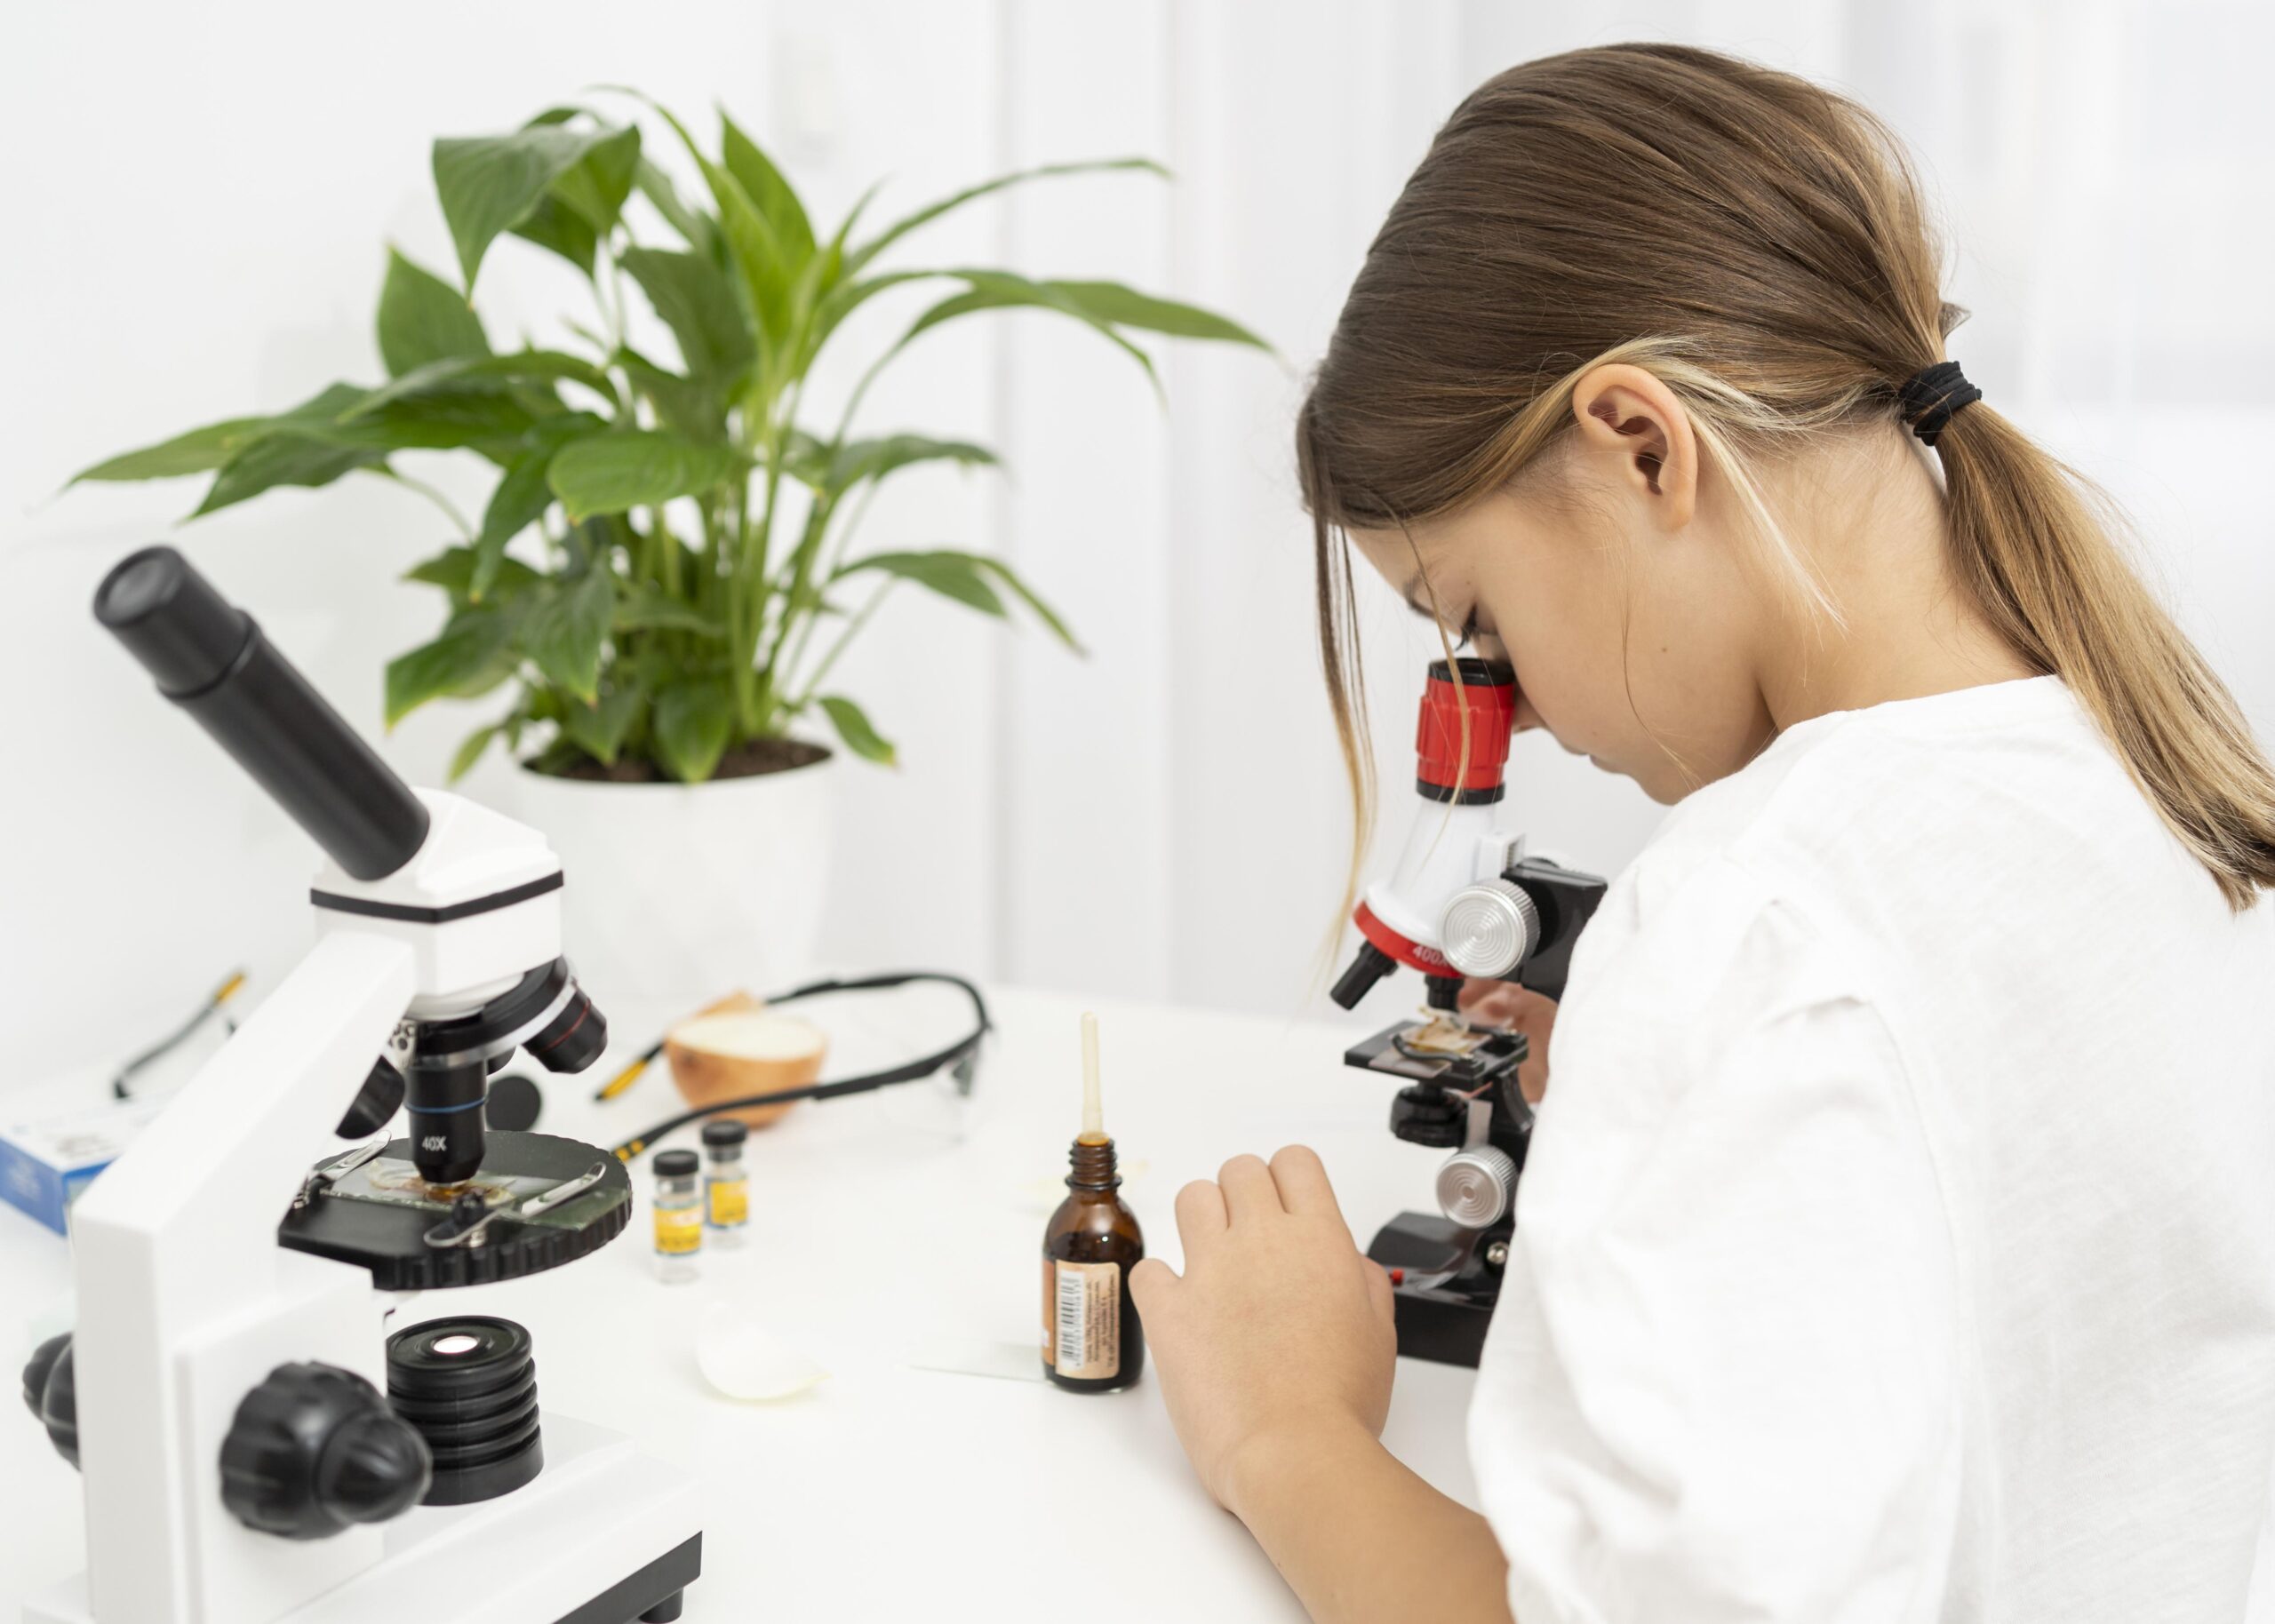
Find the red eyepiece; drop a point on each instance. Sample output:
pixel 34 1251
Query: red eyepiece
pixel 1488 694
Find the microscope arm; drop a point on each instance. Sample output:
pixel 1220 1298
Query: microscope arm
pixel 185 1301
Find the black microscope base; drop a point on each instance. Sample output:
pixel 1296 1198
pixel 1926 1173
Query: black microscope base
pixel 1444 1324
pixel 653 1596
pixel 1440 1326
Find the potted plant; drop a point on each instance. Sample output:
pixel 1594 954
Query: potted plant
pixel 665 570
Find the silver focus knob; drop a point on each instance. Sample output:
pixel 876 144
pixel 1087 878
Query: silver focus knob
pixel 1476 1186
pixel 1489 928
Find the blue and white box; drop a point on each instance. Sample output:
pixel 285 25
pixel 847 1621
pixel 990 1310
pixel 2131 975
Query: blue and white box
pixel 45 1162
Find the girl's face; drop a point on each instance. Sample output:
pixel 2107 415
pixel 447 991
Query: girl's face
pixel 1628 623
pixel 1621 578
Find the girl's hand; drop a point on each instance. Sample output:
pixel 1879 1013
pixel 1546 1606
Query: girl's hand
pixel 1279 1329
pixel 1521 1009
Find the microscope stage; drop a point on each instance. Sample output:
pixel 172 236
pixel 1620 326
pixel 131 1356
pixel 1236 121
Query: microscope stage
pixel 381 1215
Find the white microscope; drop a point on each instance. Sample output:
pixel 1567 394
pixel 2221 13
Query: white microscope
pixel 254 1448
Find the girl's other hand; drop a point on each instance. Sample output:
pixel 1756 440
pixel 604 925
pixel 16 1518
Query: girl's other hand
pixel 1279 1329
pixel 1519 1009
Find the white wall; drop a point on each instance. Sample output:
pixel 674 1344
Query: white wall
pixel 202 200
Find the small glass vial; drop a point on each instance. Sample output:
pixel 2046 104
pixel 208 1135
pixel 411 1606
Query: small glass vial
pixel 726 1181
pixel 679 1216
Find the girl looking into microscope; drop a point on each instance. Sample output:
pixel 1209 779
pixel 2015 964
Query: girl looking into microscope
pixel 1897 1240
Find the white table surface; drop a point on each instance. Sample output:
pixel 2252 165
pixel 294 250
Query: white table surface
pixel 892 1231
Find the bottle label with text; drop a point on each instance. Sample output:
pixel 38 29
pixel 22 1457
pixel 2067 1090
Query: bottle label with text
pixel 1082 1335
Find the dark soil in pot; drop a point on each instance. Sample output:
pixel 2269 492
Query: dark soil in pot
pixel 747 760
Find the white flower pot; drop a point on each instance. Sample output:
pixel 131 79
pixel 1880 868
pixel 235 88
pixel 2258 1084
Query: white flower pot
pixel 679 893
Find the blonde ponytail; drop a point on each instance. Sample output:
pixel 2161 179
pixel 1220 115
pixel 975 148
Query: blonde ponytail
pixel 2052 581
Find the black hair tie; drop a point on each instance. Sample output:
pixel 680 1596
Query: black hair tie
pixel 1933 396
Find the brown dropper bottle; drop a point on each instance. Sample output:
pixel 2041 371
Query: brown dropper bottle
pixel 1091 1340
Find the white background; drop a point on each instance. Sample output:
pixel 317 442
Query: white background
pixel 199 204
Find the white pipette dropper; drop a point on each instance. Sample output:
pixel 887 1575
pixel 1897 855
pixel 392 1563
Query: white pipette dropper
pixel 1093 1109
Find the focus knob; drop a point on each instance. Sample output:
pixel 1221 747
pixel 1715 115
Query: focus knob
pixel 1475 1187
pixel 52 1395
pixel 314 1449
pixel 1489 928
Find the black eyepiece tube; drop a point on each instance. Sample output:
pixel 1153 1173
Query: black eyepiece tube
pixel 209 658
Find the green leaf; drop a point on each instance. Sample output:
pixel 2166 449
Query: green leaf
pixel 1042 611
pixel 822 275
pixel 848 297
pixel 952 575
pixel 441 419
pixel 193 452
pixel 752 245
pixel 327 405
pixel 564 631
pixel 649 608
pixel 608 473
pixel 692 724
pixel 423 319
pixel 694 407
pixel 554 225
pixel 697 229
pixel 284 458
pixel 446 376
pixel 967 578
pixel 853 726
pixel 490 183
pixel 597 184
pixel 757 252
pixel 470 749
pixel 469 659
pixel 1124 306
pixel 216 443
pixel 695 300
pixel 598 729
pixel 453 570
pixel 1004 290
pixel 766 187
pixel 873 459
pixel 900 229
pixel 520 500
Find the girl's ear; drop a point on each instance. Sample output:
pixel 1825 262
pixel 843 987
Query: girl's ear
pixel 1633 421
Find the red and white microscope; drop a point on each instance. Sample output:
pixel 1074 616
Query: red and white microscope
pixel 1463 901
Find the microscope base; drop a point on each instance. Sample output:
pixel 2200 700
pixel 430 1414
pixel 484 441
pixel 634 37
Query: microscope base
pixel 603 1535
pixel 1441 1327
pixel 1445 1301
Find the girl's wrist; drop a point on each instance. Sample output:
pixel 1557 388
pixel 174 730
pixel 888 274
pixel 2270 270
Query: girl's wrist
pixel 1270 1465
